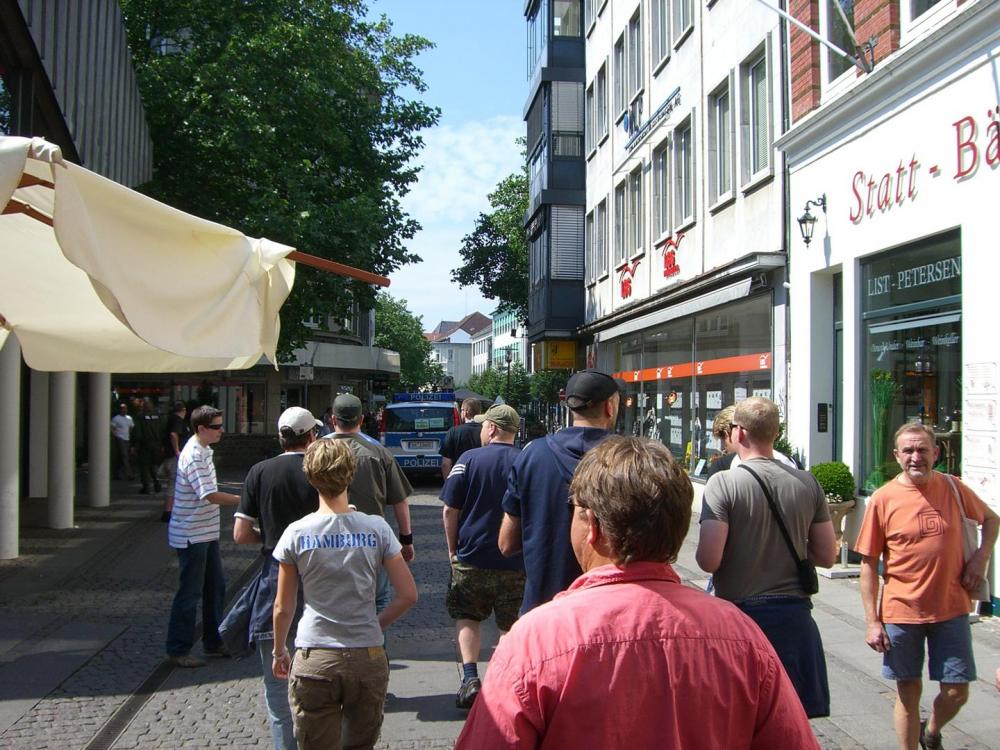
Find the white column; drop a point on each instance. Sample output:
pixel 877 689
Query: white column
pixel 38 436
pixel 99 439
pixel 62 466
pixel 10 418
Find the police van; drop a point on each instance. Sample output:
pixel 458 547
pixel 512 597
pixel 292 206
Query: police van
pixel 413 427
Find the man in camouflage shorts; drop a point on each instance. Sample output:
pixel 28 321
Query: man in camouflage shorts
pixel 483 581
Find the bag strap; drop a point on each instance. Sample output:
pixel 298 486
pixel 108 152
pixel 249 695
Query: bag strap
pixel 958 496
pixel 776 513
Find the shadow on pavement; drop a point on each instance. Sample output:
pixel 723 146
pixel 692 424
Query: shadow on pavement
pixel 440 707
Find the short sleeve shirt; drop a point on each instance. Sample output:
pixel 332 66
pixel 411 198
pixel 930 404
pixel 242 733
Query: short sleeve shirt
pixel 461 438
pixel 475 486
pixel 121 426
pixel 378 480
pixel 276 493
pixel 179 425
pixel 756 559
pixel 917 533
pixel 338 557
pixel 194 519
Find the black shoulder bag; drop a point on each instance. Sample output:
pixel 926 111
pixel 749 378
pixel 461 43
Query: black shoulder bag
pixel 805 569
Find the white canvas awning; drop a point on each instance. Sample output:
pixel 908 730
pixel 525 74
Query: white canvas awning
pixel 95 277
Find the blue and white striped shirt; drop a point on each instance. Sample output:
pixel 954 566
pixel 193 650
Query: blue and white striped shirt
pixel 194 519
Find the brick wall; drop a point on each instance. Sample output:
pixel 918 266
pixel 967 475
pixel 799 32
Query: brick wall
pixel 881 19
pixel 804 52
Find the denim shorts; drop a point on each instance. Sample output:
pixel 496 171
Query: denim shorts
pixel 949 648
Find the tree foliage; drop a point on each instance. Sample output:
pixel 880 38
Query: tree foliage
pixel 495 254
pixel 285 119
pixel 494 382
pixel 398 329
pixel 546 384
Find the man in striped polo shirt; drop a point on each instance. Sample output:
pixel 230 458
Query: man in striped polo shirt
pixel 194 533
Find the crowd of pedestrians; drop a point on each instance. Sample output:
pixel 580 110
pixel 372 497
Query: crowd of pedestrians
pixel 568 543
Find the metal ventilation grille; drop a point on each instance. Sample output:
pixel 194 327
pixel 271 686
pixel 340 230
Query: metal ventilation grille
pixel 567 249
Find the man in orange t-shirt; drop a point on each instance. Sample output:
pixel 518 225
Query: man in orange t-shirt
pixel 914 525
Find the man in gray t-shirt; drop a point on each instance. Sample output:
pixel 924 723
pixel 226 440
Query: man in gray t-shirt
pixel 741 545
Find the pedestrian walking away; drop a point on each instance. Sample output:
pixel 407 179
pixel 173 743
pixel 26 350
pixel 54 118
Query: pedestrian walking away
pixel 121 430
pixel 176 433
pixel 339 676
pixel 377 482
pixel 763 527
pixel 628 657
pixel 148 440
pixel 461 437
pixel 194 532
pixel 913 526
pixel 276 493
pixel 534 504
pixel 482 580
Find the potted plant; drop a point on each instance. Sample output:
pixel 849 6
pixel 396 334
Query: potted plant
pixel 838 485
pixel 883 394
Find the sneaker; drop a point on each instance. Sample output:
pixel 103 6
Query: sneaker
pixel 217 653
pixel 187 661
pixel 929 741
pixel 467 693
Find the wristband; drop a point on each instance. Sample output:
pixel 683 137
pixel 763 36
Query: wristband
pixel 406 540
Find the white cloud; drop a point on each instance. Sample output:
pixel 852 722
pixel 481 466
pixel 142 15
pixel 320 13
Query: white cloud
pixel 461 166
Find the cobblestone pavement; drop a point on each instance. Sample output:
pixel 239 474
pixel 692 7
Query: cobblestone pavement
pixel 98 635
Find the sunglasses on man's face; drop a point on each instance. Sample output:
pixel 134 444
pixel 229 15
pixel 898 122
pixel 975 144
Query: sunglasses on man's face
pixel 213 426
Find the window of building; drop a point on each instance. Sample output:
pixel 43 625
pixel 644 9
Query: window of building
pixel 537 34
pixel 620 75
pixel 635 212
pixel 683 17
pixel 589 12
pixel 661 193
pixel 567 262
pixel 658 31
pixel 755 117
pixel 591 124
pixel 919 7
pixel 837 33
pixel 720 144
pixel 620 243
pixel 601 95
pixel 591 248
pixel 601 238
pixel 912 355
pixel 683 174
pixel 635 55
pixel 567 118
pixel 566 18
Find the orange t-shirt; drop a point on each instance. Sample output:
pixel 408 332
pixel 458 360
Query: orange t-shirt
pixel 918 534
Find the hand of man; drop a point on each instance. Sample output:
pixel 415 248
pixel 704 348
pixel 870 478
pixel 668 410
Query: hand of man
pixel 280 665
pixel 877 638
pixel 407 552
pixel 974 572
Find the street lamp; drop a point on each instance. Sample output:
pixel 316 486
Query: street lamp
pixel 508 357
pixel 807 222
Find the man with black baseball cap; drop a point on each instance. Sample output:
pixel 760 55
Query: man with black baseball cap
pixel 536 519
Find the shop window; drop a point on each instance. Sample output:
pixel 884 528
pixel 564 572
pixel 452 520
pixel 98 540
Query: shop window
pixel 912 325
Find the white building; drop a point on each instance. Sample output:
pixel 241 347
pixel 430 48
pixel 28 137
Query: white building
pixel 684 222
pixel 482 350
pixel 509 337
pixel 451 345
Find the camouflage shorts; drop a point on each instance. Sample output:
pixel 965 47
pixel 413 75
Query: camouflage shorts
pixel 473 593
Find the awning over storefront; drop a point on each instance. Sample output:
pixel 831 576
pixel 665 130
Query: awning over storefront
pixel 96 277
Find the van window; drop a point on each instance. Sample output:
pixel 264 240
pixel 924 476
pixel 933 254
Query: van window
pixel 419 419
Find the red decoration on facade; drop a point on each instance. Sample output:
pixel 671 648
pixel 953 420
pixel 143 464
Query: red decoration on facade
pixel 670 267
pixel 625 278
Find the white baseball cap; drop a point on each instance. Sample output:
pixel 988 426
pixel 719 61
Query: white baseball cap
pixel 298 420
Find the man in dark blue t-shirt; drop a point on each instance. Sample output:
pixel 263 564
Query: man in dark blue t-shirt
pixel 536 516
pixel 482 579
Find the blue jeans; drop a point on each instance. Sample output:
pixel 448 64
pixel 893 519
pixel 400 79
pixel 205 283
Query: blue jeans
pixel 279 715
pixel 201 577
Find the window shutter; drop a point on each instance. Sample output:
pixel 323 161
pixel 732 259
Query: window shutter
pixel 567 110
pixel 535 122
pixel 567 247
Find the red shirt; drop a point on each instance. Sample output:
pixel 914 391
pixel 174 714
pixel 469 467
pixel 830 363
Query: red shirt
pixel 629 658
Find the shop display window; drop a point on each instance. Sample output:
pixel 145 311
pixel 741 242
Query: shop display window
pixel 912 324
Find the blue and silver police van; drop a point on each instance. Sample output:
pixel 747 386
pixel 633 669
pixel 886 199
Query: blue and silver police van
pixel 413 427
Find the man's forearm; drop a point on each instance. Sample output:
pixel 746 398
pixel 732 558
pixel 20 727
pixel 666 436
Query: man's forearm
pixel 869 585
pixel 446 464
pixel 990 530
pixel 451 516
pixel 402 511
pixel 222 498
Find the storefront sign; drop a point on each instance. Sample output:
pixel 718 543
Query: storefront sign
pixel 880 191
pixel 915 276
pixel 721 366
pixel 561 355
pixel 625 277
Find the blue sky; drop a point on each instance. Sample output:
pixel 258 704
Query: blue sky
pixel 476 75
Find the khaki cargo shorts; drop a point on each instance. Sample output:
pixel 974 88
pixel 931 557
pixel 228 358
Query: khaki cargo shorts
pixel 474 593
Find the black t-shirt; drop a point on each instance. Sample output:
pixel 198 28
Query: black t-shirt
pixel 276 493
pixel 722 463
pixel 461 438
pixel 175 423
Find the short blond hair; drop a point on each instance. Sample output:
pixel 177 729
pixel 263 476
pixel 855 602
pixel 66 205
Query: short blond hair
pixel 912 427
pixel 723 422
pixel 759 417
pixel 329 466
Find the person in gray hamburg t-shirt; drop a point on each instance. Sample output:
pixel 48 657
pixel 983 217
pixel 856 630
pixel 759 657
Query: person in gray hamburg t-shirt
pixel 340 672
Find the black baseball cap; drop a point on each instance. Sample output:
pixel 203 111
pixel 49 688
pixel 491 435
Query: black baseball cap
pixel 589 387
pixel 347 407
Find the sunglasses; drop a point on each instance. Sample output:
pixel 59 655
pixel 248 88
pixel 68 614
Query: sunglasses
pixel 212 426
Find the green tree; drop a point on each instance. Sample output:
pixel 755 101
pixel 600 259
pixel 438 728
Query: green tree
pixel 398 329
pixel 494 382
pixel 495 254
pixel 286 119
pixel 546 384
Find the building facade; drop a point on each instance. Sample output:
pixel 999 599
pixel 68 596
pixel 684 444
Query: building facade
pixel 451 345
pixel 508 337
pixel 684 222
pixel 904 163
pixel 482 351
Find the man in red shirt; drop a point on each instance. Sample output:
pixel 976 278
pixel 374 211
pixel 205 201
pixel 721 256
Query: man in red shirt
pixel 627 656
pixel 914 525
